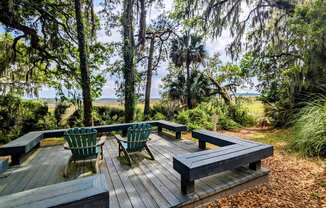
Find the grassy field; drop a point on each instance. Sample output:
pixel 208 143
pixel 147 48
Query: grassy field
pixel 105 102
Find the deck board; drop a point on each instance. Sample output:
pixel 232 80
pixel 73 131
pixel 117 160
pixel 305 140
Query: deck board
pixel 35 172
pixel 148 183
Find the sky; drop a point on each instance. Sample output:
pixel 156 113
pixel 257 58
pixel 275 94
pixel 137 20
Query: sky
pixel 212 46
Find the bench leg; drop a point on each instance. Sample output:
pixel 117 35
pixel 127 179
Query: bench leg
pixel 255 165
pixel 15 160
pixel 178 135
pixel 202 145
pixel 187 186
pixel 159 129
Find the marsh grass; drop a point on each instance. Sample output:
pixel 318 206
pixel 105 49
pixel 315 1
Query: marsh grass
pixel 309 131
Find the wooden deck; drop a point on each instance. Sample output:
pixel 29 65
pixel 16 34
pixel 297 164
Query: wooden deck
pixel 156 184
pixel 44 167
pixel 149 183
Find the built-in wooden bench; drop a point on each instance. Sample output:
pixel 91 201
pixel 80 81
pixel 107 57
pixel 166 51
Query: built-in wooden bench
pixel 232 153
pixel 21 146
pixel 177 128
pixel 89 192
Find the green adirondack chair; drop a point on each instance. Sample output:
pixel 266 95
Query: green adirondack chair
pixel 83 143
pixel 137 138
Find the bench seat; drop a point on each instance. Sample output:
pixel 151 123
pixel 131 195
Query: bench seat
pixel 234 153
pixel 23 145
pixel 177 128
pixel 88 192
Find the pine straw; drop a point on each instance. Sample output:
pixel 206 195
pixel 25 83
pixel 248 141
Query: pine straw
pixel 293 182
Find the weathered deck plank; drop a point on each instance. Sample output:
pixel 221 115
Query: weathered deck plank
pixel 148 183
pixel 43 168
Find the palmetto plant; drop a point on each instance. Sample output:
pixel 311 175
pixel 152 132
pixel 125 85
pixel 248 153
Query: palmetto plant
pixel 186 50
pixel 176 89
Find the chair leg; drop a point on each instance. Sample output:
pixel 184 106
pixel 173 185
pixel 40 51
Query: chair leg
pixel 128 158
pixel 149 152
pixel 101 152
pixel 65 171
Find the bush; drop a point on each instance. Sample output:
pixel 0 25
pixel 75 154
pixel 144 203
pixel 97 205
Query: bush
pixel 75 119
pixel 159 116
pixel 240 114
pixel 169 109
pixel 18 117
pixel 34 115
pixel 108 115
pixel 310 129
pixel 59 110
pixel 227 123
pixel 216 115
pixel 195 119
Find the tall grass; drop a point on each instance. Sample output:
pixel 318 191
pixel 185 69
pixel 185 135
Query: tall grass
pixel 310 129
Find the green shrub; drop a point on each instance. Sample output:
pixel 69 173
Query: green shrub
pixel 216 115
pixel 139 114
pixel 108 115
pixel 159 116
pixel 59 110
pixel 227 123
pixel 18 117
pixel 169 109
pixel 310 129
pixel 34 115
pixel 195 118
pixel 240 114
pixel 75 119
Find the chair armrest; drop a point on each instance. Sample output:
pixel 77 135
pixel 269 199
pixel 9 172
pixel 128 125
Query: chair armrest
pixel 66 146
pixel 119 138
pixel 101 142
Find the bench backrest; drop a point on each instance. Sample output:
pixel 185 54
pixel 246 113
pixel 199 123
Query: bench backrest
pixel 138 135
pixel 82 141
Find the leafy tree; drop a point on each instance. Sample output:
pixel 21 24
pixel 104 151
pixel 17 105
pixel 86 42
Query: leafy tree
pixel 291 69
pixel 213 16
pixel 158 34
pixel 185 51
pixel 129 66
pixel 83 63
pixel 49 43
pixel 132 51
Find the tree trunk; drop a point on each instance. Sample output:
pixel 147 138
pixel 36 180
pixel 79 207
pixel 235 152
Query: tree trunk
pixel 85 80
pixel 129 60
pixel 142 25
pixel 189 105
pixel 224 94
pixel 149 77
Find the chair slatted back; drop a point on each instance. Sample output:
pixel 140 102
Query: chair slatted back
pixel 138 135
pixel 82 141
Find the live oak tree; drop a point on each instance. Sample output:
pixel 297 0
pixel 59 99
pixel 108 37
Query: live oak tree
pixel 46 29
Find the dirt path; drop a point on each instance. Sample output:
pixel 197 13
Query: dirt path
pixel 293 182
